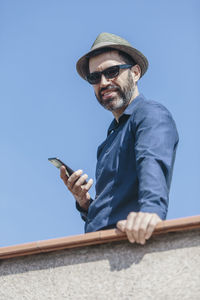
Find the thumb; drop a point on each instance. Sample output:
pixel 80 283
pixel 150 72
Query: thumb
pixel 121 225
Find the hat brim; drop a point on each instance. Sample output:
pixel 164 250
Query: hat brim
pixel 136 55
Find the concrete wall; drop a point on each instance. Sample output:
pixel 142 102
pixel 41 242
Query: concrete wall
pixel 167 267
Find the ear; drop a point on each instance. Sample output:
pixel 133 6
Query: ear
pixel 136 72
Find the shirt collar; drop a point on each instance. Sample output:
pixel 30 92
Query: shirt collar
pixel 130 108
pixel 128 111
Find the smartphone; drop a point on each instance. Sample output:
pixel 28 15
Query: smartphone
pixel 58 163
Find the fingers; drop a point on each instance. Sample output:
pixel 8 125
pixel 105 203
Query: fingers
pixel 152 225
pixel 139 226
pixel 63 175
pixel 143 220
pixel 76 181
pixel 78 186
pixel 121 225
pixel 73 178
pixel 85 188
pixel 130 227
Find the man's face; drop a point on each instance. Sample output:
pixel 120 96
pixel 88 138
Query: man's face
pixel 116 93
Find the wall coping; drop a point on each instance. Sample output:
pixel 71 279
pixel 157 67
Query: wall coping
pixel 93 238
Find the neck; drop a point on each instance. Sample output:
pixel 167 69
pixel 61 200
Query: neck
pixel 117 113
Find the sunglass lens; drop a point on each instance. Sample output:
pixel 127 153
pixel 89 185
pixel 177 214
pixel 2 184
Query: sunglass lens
pixel 111 72
pixel 94 78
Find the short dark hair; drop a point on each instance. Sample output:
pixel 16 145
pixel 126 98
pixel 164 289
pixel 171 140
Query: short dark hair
pixel 127 58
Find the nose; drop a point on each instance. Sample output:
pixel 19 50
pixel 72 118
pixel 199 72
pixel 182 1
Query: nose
pixel 104 81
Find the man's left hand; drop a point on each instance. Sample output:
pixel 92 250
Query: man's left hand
pixel 139 226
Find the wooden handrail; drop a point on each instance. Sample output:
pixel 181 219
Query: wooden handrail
pixel 93 238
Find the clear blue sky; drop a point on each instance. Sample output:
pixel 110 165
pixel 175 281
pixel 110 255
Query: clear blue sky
pixel 48 110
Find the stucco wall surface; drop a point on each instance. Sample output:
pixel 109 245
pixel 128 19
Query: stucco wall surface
pixel 167 267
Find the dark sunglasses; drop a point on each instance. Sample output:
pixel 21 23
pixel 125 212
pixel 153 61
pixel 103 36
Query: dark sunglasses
pixel 111 72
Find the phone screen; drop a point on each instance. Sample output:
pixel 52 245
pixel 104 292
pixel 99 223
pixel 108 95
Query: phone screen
pixel 58 163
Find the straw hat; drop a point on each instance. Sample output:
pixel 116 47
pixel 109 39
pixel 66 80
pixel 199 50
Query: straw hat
pixel 113 41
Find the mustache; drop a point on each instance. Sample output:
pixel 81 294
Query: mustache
pixel 109 87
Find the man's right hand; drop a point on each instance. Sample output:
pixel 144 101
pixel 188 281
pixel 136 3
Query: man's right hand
pixel 78 186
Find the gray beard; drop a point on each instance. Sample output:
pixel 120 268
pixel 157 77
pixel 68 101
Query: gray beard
pixel 124 95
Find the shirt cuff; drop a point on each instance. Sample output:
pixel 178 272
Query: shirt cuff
pixel 154 210
pixel 82 211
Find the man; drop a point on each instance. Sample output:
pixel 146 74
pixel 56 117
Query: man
pixel 135 162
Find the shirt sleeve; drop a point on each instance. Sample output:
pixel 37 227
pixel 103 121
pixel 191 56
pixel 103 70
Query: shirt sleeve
pixel 156 140
pixel 83 212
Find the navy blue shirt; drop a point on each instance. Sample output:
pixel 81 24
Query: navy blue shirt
pixel 134 165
